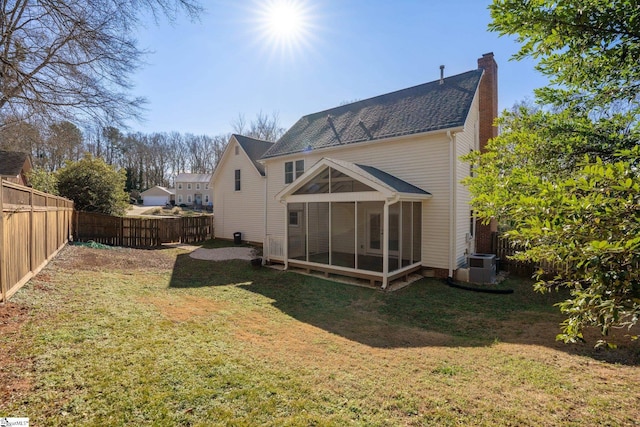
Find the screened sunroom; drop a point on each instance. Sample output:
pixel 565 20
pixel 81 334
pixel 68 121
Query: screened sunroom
pixel 353 220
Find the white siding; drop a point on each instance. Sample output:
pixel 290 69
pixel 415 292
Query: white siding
pixel 421 160
pixel 238 211
pixel 465 142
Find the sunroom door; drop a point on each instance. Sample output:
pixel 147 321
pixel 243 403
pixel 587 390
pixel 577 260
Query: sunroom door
pixel 375 232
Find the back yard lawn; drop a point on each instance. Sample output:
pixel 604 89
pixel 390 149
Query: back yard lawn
pixel 133 337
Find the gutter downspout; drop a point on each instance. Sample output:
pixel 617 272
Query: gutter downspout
pixel 452 200
pixel 385 241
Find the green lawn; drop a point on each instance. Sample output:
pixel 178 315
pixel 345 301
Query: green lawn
pixel 132 337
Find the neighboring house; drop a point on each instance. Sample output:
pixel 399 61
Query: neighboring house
pixel 15 167
pixel 194 189
pixel 158 196
pixel 372 189
pixel 239 189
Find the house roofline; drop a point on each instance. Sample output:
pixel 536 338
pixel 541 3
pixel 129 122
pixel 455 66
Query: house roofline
pixel 443 131
pixel 228 149
pixel 387 94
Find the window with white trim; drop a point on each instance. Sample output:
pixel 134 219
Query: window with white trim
pixel 197 186
pixel 293 170
pixel 237 180
pixel 294 218
pixel 189 198
pixel 189 186
pixel 180 198
pixel 180 186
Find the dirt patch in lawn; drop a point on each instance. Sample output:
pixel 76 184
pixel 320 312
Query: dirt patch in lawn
pixel 12 317
pixel 84 258
pixel 13 383
pixel 184 308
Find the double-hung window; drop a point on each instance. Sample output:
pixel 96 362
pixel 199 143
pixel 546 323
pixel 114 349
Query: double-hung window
pixel 293 170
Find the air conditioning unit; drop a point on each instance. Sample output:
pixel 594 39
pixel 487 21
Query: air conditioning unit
pixel 482 268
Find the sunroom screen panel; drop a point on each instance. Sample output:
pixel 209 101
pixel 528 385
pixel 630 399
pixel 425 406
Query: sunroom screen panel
pixel 296 230
pixel 341 183
pixel 417 232
pixel 318 185
pixel 343 234
pixel 394 236
pixel 407 233
pixel 319 232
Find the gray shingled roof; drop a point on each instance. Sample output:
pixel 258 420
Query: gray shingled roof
pixel 394 182
pixel 423 108
pixel 193 177
pixel 11 163
pixel 254 148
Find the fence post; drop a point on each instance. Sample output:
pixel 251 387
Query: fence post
pixel 121 239
pixel 32 235
pixel 3 282
pixel 76 230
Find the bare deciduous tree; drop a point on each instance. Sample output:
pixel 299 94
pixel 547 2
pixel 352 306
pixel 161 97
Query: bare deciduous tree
pixel 64 142
pixel 73 59
pixel 23 137
pixel 263 127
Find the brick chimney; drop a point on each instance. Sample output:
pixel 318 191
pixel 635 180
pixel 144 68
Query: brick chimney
pixel 488 98
pixel 488 105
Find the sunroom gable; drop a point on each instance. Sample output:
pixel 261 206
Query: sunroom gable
pixel 332 177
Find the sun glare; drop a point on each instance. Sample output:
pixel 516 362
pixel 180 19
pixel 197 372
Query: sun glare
pixel 285 24
pixel 285 19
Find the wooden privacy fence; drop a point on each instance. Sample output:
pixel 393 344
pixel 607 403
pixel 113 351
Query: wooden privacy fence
pixel 504 249
pixel 34 227
pixel 141 232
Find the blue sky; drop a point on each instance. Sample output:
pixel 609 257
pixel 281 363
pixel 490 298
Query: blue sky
pixel 202 75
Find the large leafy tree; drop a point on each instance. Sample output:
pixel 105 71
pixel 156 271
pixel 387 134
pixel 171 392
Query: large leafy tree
pixel 563 177
pixel 94 186
pixel 43 180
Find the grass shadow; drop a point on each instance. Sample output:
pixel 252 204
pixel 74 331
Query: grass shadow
pixel 194 273
pixel 427 313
